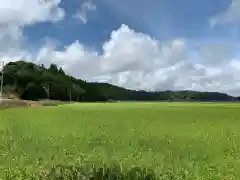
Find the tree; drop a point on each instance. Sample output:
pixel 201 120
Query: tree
pixel 34 82
pixel 61 71
pixel 33 92
pixel 53 68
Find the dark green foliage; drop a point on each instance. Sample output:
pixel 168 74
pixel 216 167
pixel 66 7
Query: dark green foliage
pixel 53 69
pixel 68 172
pixel 33 92
pixel 34 82
pixel 61 71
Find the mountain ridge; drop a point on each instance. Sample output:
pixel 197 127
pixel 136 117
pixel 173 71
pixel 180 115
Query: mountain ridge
pixel 34 82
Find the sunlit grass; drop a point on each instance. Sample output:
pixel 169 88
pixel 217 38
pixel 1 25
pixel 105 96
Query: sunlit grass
pixel 194 140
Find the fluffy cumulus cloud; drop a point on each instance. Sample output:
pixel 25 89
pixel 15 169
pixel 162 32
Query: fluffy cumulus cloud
pixel 137 61
pixel 15 15
pixel 232 14
pixel 83 12
pixel 23 12
pixel 130 59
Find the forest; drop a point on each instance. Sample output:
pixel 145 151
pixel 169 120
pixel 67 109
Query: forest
pixel 30 81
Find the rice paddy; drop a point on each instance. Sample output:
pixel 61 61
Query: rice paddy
pixel 175 140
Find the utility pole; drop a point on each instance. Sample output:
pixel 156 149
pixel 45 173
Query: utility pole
pixel 1 90
pixel 70 96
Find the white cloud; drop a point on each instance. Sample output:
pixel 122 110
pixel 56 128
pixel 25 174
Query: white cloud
pixel 15 15
pixel 232 14
pixel 216 53
pixel 82 13
pixel 128 49
pixel 137 61
pixel 22 12
pixel 130 59
pixel 75 58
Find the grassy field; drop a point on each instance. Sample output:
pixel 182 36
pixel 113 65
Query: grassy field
pixel 176 140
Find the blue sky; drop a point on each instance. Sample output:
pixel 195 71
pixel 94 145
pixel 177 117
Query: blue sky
pixel 138 44
pixel 161 19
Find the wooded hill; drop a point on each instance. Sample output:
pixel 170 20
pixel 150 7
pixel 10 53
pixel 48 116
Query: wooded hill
pixel 34 82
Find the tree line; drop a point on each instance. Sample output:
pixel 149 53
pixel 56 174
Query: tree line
pixel 34 82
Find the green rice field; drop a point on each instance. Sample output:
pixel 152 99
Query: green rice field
pixel 175 140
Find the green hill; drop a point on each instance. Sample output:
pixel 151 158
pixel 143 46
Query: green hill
pixel 34 82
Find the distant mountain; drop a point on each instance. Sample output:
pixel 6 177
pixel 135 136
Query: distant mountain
pixel 33 82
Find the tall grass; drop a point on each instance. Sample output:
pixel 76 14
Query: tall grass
pixel 175 140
